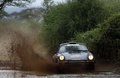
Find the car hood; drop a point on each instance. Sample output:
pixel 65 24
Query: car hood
pixel 75 55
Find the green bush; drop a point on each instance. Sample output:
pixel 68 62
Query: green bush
pixel 63 21
pixel 111 6
pixel 90 38
pixel 108 46
pixel 104 41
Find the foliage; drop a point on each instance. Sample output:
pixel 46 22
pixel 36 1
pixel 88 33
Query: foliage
pixel 19 3
pixel 47 5
pixel 50 29
pixel 104 41
pixel 112 6
pixel 90 38
pixel 108 46
pixel 2 14
pixel 65 19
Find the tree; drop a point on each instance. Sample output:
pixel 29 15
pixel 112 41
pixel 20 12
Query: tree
pixel 47 4
pixel 108 45
pixel 20 3
pixel 66 19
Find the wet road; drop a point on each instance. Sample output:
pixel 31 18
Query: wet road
pixel 23 74
pixel 101 71
pixel 84 76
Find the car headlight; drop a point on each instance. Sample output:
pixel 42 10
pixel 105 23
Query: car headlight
pixel 61 57
pixel 90 57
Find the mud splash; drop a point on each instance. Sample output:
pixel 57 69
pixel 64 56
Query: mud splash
pixel 20 48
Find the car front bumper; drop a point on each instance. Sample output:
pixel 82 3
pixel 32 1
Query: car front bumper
pixel 77 62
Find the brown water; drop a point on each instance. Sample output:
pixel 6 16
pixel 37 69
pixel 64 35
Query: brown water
pixel 20 48
pixel 23 74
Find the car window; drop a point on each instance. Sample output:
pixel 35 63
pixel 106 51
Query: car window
pixel 82 47
pixel 68 48
pixel 62 49
pixel 71 48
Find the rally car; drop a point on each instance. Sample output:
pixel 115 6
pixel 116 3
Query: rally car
pixel 74 54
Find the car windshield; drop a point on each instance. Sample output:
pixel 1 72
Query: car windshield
pixel 71 48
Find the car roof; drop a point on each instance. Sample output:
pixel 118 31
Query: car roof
pixel 71 43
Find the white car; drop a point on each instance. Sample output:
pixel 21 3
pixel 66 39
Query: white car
pixel 74 53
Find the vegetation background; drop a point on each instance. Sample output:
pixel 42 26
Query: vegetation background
pixel 94 22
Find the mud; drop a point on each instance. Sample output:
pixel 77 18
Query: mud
pixel 21 74
pixel 20 48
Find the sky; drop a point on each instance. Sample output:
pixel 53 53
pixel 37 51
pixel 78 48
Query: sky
pixel 37 3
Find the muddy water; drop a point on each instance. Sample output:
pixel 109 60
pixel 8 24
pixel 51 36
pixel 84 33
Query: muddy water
pixel 21 74
pixel 21 49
